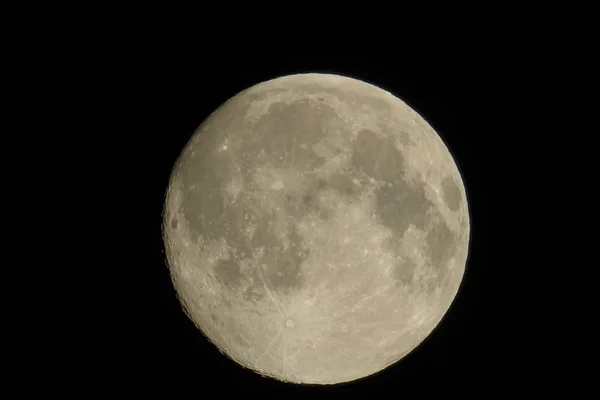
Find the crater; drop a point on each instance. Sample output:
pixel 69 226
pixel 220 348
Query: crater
pixel 309 198
pixel 216 320
pixel 343 183
pixel 451 193
pixel 284 265
pixel 288 132
pixel 253 294
pixel 228 272
pixel 377 157
pixel 202 200
pixel 404 271
pixel 200 150
pixel 299 204
pixel 397 131
pixel 357 99
pixel 264 233
pixel 401 205
pixel 319 197
pixel 441 244
pixel 399 202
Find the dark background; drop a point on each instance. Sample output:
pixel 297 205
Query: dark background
pixel 471 89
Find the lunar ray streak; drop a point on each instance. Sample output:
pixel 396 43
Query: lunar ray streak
pixel 242 160
pixel 270 344
pixel 293 152
pixel 270 291
pixel 378 159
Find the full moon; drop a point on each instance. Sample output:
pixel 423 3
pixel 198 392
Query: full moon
pixel 316 228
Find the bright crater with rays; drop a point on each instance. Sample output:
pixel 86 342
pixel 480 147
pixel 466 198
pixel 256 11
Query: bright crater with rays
pixel 316 229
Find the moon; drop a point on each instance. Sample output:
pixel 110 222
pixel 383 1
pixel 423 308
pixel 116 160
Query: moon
pixel 316 228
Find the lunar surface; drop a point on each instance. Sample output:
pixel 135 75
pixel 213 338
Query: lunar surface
pixel 316 228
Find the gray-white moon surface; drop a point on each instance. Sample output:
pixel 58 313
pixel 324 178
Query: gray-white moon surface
pixel 316 228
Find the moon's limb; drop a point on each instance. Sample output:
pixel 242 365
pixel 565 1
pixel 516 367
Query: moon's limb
pixel 316 228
